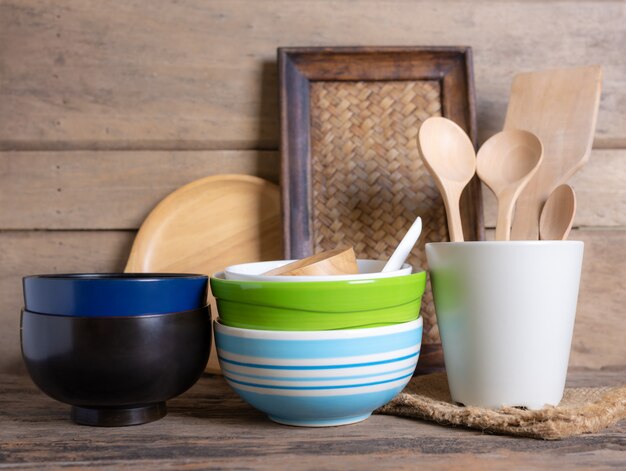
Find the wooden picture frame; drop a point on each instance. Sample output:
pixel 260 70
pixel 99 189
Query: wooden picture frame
pixel 356 111
pixel 299 67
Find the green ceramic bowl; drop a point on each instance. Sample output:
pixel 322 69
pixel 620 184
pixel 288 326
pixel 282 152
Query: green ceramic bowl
pixel 249 316
pixel 326 305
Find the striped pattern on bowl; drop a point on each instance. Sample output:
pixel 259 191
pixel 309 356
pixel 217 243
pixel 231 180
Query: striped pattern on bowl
pixel 319 378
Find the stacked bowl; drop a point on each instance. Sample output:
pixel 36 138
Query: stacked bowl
pixel 115 346
pixel 318 350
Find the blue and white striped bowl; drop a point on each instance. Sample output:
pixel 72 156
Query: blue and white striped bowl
pixel 319 378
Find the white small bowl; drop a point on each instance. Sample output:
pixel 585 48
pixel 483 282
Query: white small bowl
pixel 368 269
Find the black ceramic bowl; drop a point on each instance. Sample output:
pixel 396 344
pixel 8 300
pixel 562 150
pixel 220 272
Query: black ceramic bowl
pixel 116 371
pixel 114 294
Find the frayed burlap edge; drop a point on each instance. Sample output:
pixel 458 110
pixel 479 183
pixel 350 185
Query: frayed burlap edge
pixel 582 410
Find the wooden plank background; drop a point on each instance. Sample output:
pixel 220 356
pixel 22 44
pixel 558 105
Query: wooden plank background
pixel 105 107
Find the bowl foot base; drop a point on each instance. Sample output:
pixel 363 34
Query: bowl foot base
pixel 320 423
pixel 118 416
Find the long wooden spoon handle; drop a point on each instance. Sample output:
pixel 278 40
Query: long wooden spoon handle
pixel 453 213
pixel 505 215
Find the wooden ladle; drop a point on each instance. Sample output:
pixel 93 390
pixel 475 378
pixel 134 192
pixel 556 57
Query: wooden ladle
pixel 449 155
pixel 506 163
pixel 557 216
pixel 332 262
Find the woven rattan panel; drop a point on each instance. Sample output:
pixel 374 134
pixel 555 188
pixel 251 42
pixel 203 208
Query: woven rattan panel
pixel 369 183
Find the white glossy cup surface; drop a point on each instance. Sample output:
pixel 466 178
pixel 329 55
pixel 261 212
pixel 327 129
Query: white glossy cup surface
pixel 505 312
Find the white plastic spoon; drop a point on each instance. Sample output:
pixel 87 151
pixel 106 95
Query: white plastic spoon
pixel 404 247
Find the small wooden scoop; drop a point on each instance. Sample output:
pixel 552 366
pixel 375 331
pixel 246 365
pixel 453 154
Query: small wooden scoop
pixel 557 216
pixel 332 262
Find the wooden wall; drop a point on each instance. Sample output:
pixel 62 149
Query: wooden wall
pixel 107 106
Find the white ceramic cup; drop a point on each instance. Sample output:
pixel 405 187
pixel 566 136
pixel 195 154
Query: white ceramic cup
pixel 505 312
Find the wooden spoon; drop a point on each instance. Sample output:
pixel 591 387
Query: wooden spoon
pixel 561 107
pixel 332 262
pixel 506 163
pixel 558 214
pixel 450 157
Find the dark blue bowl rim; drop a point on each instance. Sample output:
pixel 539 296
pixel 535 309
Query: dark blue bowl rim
pixel 118 276
pixel 130 316
pixel 120 294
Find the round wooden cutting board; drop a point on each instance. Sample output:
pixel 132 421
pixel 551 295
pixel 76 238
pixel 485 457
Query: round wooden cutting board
pixel 208 225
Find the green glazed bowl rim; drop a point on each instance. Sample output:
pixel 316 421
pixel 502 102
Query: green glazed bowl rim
pixel 327 296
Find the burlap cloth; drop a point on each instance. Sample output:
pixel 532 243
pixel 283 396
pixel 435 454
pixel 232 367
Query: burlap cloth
pixel 582 410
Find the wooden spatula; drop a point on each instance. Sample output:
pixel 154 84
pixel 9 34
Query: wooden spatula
pixel 561 107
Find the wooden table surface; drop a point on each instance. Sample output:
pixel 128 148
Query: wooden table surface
pixel 209 426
